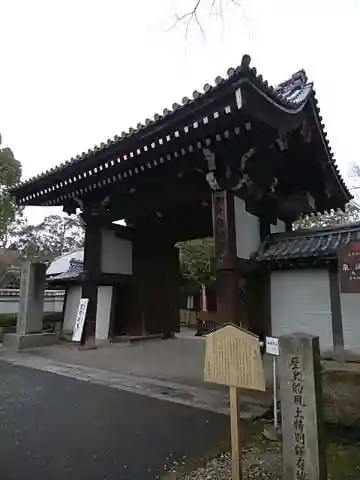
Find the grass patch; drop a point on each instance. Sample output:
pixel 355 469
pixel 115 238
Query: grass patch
pixel 341 396
pixel 343 461
pixel 9 320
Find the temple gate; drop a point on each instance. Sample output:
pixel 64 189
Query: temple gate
pixel 235 162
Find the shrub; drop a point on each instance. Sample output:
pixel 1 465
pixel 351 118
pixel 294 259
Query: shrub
pixel 9 319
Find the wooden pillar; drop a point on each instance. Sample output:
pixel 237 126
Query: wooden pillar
pixel 336 310
pixel 92 269
pixel 225 256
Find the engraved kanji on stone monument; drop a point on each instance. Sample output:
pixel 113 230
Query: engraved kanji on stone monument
pixel 301 408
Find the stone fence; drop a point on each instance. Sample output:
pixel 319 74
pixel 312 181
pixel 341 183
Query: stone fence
pixel 9 300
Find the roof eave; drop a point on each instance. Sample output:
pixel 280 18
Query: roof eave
pixel 211 94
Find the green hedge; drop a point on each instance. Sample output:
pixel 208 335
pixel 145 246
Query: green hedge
pixel 9 320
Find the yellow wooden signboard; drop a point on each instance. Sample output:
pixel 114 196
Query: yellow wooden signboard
pixel 232 357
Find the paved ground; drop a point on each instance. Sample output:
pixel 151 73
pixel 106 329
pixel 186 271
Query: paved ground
pixel 176 360
pixel 58 428
pixel 170 370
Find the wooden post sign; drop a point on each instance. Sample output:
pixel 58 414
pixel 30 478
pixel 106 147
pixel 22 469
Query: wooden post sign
pixel 232 358
pixel 349 266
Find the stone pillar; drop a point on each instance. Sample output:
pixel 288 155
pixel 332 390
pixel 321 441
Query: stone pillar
pixel 92 270
pixel 31 305
pixel 225 256
pixel 304 452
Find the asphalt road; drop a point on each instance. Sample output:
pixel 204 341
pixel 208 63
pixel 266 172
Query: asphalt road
pixel 53 427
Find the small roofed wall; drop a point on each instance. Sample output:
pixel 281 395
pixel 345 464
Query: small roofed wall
pixel 116 254
pixel 247 228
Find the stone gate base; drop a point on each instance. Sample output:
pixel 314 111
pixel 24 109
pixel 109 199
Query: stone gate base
pixel 20 341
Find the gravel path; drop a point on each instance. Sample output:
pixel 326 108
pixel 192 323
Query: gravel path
pixel 257 464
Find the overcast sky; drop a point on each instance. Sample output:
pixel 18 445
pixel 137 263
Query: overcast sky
pixel 76 72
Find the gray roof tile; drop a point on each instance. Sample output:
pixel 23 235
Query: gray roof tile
pixel 305 244
pixel 74 271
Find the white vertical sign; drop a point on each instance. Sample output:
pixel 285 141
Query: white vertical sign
pixel 80 319
pixel 272 348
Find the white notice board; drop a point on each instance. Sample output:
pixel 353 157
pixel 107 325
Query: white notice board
pixel 272 346
pixel 80 319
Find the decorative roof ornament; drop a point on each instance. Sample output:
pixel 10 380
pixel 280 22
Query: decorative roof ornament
pixel 245 61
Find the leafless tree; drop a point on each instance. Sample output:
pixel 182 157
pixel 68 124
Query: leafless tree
pixel 214 7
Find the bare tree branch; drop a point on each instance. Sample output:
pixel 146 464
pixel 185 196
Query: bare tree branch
pixel 189 17
pixel 215 7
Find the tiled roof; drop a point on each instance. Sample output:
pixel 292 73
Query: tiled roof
pixel 290 96
pixel 279 94
pixel 306 244
pixel 62 264
pixel 74 271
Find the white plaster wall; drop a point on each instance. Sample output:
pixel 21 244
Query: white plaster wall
pixel 300 302
pixel 10 304
pixel 350 305
pixel 53 304
pixel 247 228
pixel 72 304
pixel 116 254
pixel 278 228
pixel 103 312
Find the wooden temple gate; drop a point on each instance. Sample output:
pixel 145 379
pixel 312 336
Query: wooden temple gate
pixel 231 162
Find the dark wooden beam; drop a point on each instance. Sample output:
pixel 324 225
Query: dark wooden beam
pixel 162 199
pixel 92 269
pixel 113 278
pixel 265 228
pixel 185 223
pixel 335 302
